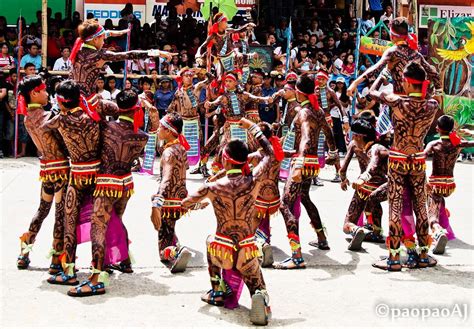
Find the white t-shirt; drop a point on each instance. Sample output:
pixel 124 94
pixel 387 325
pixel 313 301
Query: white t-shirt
pixel 113 94
pixel 105 95
pixel 62 65
pixel 151 63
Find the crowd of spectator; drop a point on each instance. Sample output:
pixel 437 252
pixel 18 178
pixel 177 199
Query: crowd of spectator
pixel 317 42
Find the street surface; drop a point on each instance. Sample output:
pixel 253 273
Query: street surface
pixel 339 287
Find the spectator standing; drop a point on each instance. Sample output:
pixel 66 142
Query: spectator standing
pixel 163 95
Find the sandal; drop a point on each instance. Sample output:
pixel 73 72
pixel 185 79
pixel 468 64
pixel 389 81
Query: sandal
pixel 386 265
pixel 441 240
pixel 323 245
pixel 374 237
pixel 267 258
pixel 412 260
pixel 358 236
pixel 212 297
pixel 22 262
pixel 181 261
pixel 65 279
pixel 427 262
pixel 93 292
pixel 55 268
pixel 260 312
pixel 291 264
pixel 124 268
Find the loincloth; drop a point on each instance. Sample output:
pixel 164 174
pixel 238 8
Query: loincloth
pixel 114 186
pixel 84 172
pixel 52 171
pixel 309 165
pixel 415 162
pixel 263 207
pixel 225 254
pixel 442 185
pixel 365 190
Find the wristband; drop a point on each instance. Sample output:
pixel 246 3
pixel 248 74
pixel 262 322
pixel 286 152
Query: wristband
pixel 365 176
pixel 157 202
pixel 332 154
pixel 298 162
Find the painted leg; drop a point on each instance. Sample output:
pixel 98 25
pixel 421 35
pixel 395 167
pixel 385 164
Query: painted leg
pixel 27 239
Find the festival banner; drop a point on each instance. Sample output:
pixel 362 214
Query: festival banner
pixel 110 9
pixel 373 46
pixel 451 51
pixel 264 60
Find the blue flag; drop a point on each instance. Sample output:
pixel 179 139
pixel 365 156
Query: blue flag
pixel 288 46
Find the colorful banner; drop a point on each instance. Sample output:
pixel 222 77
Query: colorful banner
pixel 373 46
pixel 265 58
pixel 451 51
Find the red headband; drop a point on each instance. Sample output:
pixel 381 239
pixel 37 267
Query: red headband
pixel 313 99
pixel 79 42
pixel 231 76
pixel 215 27
pixel 138 116
pixel 22 101
pixel 322 74
pixel 84 105
pixel 291 75
pixel 245 164
pixel 424 85
pixel 165 121
pixel 411 38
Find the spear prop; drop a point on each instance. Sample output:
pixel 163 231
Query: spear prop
pixel 127 48
pixel 208 62
pixel 19 55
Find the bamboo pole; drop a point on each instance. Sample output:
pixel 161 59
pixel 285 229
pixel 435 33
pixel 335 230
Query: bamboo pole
pixel 44 32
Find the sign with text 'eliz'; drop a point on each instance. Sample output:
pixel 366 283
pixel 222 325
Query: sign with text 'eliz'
pixel 428 12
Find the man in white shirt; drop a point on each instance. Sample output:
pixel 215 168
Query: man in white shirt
pixel 100 83
pixel 63 63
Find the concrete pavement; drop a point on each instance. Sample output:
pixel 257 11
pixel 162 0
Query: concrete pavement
pixel 339 288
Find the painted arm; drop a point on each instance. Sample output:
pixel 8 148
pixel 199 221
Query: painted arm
pixel 429 148
pixel 259 99
pixel 465 143
pixel 193 200
pixel 202 48
pixel 387 55
pixel 53 123
pixel 433 75
pixel 107 108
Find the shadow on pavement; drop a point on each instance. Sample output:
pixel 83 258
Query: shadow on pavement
pixel 240 316
pixel 122 285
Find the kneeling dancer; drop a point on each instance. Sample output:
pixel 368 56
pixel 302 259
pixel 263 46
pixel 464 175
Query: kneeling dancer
pixel 233 246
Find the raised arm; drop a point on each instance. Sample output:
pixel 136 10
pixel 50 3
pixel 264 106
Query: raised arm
pixel 384 60
pixel 202 48
pixel 259 99
pixel 433 75
pixel 429 148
